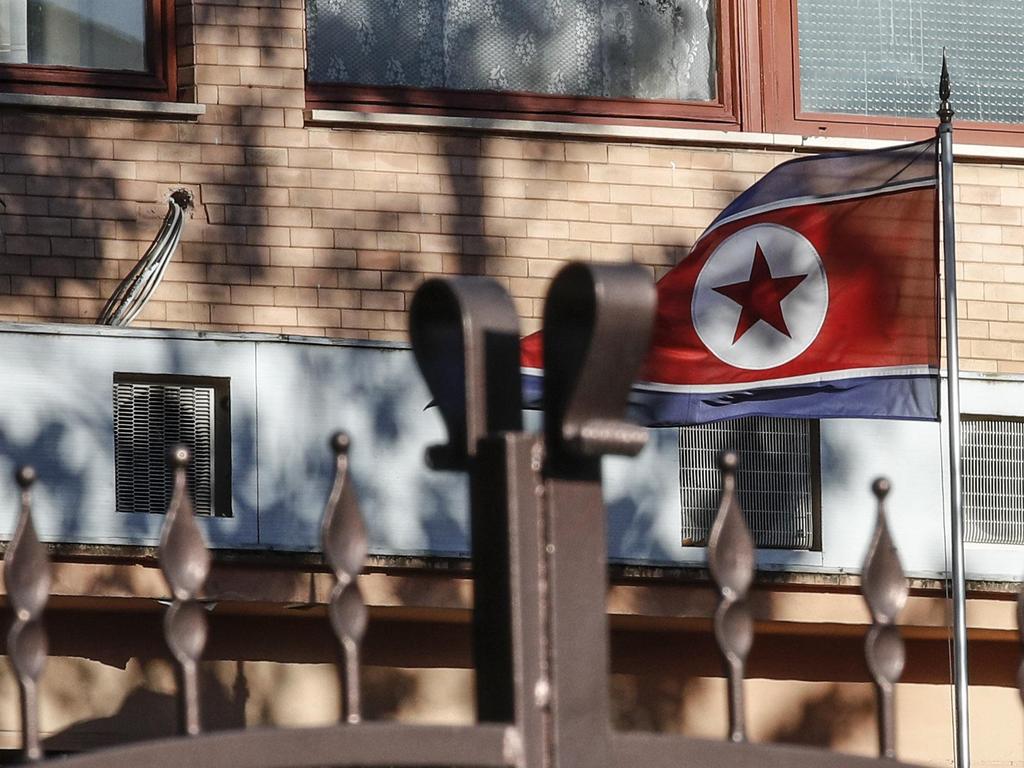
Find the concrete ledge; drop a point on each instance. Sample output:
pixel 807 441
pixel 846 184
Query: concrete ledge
pixel 636 133
pixel 163 109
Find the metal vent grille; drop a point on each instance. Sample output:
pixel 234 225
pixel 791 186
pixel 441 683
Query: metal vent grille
pixel 993 481
pixel 149 418
pixel 775 479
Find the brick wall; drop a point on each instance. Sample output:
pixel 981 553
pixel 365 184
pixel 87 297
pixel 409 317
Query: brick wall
pixel 327 231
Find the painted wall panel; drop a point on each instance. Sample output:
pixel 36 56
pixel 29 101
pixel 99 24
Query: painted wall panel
pixel 289 395
pixel 57 414
pixel 306 393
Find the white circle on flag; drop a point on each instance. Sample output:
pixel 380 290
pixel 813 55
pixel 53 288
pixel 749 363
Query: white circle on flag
pixel 794 297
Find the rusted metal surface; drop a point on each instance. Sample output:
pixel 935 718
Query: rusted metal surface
pixel 634 750
pixel 343 539
pixel 27 575
pixel 369 745
pixel 539 561
pixel 885 591
pixel 731 562
pixel 185 562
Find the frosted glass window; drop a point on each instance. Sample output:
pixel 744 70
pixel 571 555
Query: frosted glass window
pixel 882 57
pixel 95 34
pixel 648 49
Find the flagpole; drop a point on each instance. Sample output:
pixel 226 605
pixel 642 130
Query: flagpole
pixel 945 132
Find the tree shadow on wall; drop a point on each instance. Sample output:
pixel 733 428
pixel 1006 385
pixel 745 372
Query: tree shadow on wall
pixel 657 703
pixel 498 206
pixel 828 718
pixel 647 702
pixel 385 690
pixel 146 714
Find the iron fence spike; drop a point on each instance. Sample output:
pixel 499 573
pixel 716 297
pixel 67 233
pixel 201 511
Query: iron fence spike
pixel 344 541
pixel 885 590
pixel 185 563
pixel 731 562
pixel 27 577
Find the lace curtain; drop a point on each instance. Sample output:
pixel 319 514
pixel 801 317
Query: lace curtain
pixel 13 32
pixel 647 49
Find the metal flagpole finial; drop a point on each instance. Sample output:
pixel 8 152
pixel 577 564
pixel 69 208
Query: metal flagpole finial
pixel 945 112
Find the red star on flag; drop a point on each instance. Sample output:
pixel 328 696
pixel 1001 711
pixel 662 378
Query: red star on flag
pixel 761 296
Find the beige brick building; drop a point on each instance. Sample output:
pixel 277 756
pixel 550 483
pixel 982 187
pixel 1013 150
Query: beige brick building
pixel 321 220
pixel 318 222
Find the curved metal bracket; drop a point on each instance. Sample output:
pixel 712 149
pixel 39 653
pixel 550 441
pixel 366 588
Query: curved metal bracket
pixel 597 330
pixel 465 335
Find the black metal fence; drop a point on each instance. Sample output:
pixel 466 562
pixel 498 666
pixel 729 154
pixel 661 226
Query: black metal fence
pixel 540 633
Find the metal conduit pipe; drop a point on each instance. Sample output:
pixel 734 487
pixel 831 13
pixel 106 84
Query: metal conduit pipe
pixel 139 285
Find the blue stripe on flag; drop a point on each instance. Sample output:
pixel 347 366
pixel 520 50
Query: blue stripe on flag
pixel 910 398
pixel 906 398
pixel 839 173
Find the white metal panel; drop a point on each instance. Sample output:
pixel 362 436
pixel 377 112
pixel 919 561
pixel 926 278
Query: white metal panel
pixel 856 451
pixel 57 414
pixel 990 396
pixel 306 393
pixel 642 496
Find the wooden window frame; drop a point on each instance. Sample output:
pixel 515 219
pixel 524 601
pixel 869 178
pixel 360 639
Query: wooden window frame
pixel 722 114
pixel 159 83
pixel 781 96
pixel 758 92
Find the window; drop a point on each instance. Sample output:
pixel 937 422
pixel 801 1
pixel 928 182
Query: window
pixel 806 67
pixel 993 485
pixel 777 479
pixel 119 48
pixel 856 69
pixel 152 413
pixel 653 59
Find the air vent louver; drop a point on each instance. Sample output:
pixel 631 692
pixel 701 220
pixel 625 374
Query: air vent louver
pixel 775 479
pixel 993 481
pixel 148 418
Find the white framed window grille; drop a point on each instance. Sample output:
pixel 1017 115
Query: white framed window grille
pixel 778 479
pixel 152 413
pixel 992 472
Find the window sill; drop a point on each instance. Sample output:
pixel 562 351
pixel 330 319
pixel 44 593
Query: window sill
pixel 161 109
pixel 626 133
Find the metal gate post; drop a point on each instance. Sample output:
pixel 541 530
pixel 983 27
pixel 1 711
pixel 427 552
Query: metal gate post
pixel 597 323
pixel 465 336
pixel 505 489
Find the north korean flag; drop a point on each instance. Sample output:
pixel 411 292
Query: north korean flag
pixel 813 295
